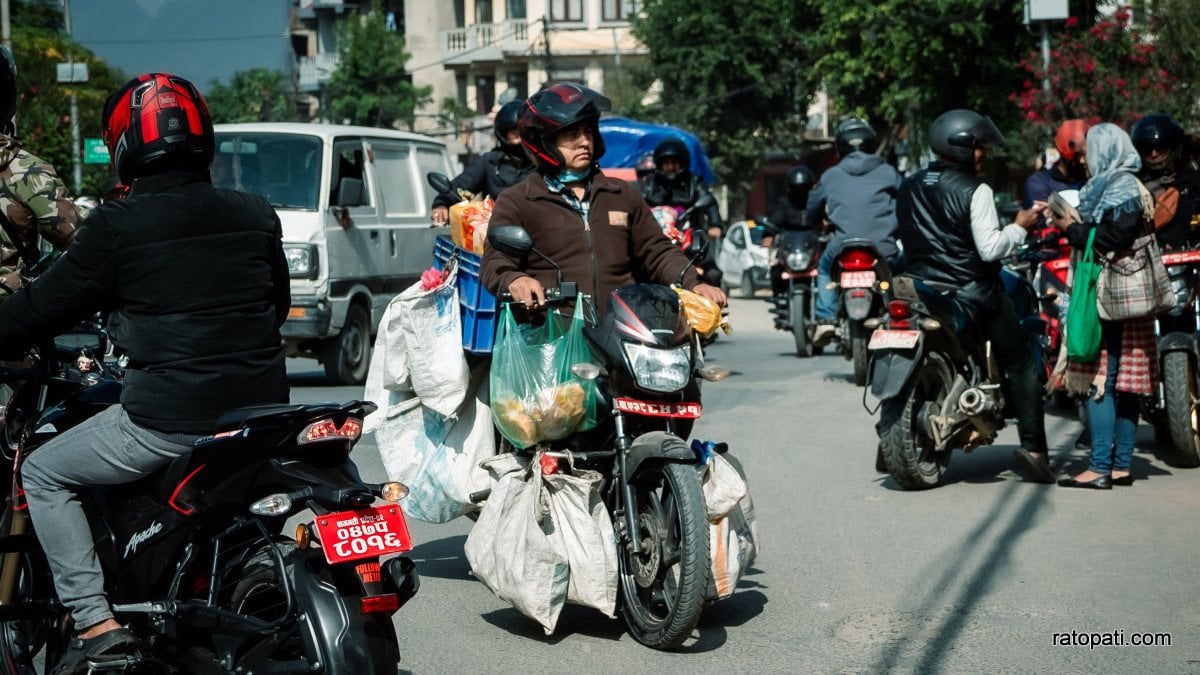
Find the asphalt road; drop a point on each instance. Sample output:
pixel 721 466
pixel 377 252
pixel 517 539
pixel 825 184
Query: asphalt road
pixel 853 574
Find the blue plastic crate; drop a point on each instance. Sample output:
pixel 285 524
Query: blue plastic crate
pixel 477 305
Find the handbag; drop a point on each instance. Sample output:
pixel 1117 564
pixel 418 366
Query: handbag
pixel 1083 319
pixel 1134 283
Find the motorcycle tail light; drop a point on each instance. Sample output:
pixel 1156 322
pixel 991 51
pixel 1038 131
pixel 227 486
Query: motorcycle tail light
pixel 853 261
pixel 899 309
pixel 328 430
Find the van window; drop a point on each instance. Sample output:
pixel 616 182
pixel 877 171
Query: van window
pixel 283 168
pixel 396 186
pixel 430 159
pixel 349 163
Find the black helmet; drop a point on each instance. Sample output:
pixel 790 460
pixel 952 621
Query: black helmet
pixel 800 181
pixel 8 88
pixel 854 134
pixel 154 123
pixel 672 148
pixel 1156 132
pixel 553 109
pixel 645 165
pixel 955 135
pixel 506 119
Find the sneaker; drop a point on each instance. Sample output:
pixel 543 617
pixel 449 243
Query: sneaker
pixel 114 643
pixel 824 333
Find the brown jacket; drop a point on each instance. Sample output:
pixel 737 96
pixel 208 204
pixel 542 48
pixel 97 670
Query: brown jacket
pixel 620 244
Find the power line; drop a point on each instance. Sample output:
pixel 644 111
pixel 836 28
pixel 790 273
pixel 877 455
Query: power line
pixel 224 38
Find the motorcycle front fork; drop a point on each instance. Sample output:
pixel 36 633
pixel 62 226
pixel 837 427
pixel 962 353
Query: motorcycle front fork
pixel 622 444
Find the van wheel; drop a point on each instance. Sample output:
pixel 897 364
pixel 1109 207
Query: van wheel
pixel 348 355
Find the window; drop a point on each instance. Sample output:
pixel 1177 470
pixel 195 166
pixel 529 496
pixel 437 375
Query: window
pixel 519 83
pixel 349 164
pixel 485 94
pixel 430 159
pixel 283 168
pixel 620 10
pixel 566 10
pixel 516 9
pixel 394 173
pixel 483 11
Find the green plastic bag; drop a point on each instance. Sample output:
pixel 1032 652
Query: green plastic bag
pixel 1083 317
pixel 535 396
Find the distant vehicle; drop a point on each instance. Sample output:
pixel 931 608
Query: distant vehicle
pixel 355 211
pixel 743 259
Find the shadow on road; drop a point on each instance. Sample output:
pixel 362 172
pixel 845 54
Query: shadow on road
pixel 442 558
pixel 953 568
pixel 574 620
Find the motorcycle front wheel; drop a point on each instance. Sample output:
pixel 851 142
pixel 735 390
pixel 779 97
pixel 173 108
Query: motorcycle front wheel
pixel 663 586
pixel 908 448
pixel 796 312
pixel 22 639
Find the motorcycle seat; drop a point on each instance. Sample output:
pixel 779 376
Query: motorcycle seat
pixel 240 416
pixel 939 299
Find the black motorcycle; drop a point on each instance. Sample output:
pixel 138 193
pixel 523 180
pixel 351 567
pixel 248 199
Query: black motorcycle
pixel 194 559
pixel 858 270
pixel 797 253
pixel 647 382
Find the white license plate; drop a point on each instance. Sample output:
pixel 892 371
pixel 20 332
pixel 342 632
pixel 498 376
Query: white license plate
pixel 857 280
pixel 893 339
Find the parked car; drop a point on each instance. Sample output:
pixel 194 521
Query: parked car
pixel 355 211
pixel 743 259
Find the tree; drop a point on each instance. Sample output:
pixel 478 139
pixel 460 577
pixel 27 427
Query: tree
pixel 43 106
pixel 904 62
pixel 1175 25
pixel 1107 72
pixel 733 72
pixel 258 95
pixel 370 86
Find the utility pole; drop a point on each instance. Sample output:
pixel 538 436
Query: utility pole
pixel 5 25
pixel 546 42
pixel 75 142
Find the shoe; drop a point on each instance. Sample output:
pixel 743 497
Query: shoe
pixel 1101 483
pixel 823 334
pixel 1123 481
pixel 1037 470
pixel 117 642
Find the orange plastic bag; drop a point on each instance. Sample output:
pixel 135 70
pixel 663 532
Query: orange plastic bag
pixel 468 223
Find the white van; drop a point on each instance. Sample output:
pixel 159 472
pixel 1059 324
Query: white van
pixel 355 211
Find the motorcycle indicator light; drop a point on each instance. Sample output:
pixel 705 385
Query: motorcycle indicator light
pixel 856 261
pixel 393 492
pixel 328 430
pixel 272 505
pixel 303 538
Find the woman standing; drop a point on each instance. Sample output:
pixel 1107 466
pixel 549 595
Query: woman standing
pixel 1112 203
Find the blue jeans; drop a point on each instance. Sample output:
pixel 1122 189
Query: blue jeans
pixel 1112 417
pixel 827 298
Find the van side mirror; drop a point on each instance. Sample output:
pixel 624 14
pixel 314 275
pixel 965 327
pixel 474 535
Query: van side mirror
pixel 350 192
pixel 440 182
pixel 511 240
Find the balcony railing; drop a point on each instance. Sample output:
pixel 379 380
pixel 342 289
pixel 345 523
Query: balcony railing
pixel 484 41
pixel 315 70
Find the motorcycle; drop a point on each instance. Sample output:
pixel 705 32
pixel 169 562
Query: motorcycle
pixel 195 563
pixel 647 379
pixel 678 225
pixel 797 254
pixel 937 380
pixel 1179 354
pixel 858 269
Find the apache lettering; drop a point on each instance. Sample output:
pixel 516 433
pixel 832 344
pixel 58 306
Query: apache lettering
pixel 137 539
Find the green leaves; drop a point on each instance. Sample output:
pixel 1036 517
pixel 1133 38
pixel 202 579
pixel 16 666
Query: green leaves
pixel 258 95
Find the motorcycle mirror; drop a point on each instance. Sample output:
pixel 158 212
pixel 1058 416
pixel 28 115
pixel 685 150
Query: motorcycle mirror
pixel 511 240
pixel 440 182
pixel 705 201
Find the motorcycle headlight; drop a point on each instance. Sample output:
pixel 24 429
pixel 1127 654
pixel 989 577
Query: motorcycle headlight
pixel 301 260
pixel 661 370
pixel 798 260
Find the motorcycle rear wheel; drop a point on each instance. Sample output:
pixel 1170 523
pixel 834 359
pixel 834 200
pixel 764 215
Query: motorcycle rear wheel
pixel 21 640
pixel 662 588
pixel 1183 418
pixel 908 448
pixel 858 352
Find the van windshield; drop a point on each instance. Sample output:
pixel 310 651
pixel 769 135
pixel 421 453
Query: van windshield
pixel 283 168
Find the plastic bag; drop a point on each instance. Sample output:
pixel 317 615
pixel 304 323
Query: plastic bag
pixel 469 221
pixel 702 314
pixel 511 552
pixel 535 396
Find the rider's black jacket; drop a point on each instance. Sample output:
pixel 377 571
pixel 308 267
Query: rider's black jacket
pixel 933 210
pixel 197 286
pixel 488 175
pixel 788 216
pixel 684 191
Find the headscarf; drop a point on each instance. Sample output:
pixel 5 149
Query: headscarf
pixel 1112 161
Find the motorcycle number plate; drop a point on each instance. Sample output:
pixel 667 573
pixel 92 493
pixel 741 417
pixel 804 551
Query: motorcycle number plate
pixel 857 280
pixel 363 533
pixel 893 339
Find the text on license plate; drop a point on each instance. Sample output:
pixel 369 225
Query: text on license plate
pixel 365 533
pixel 893 339
pixel 857 280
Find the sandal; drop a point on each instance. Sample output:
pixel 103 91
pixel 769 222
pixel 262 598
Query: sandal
pixel 117 642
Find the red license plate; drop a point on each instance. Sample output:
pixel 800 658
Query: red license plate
pixel 857 280
pixel 365 533
pixel 893 339
pixel 689 411
pixel 1181 257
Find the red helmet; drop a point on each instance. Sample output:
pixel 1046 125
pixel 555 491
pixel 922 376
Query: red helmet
pixel 1070 138
pixel 156 122
pixel 553 109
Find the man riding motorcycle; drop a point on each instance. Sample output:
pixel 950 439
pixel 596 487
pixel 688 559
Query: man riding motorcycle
pixel 490 173
pixel 673 184
pixel 858 197
pixel 790 214
pixel 1168 175
pixel 197 285
pixel 1068 173
pixel 951 234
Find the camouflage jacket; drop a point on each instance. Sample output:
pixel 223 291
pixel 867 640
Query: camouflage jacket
pixel 36 202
